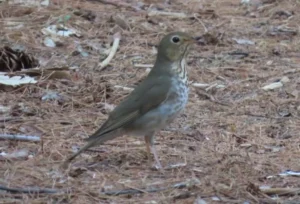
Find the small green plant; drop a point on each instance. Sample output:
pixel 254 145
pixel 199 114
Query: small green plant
pixel 64 19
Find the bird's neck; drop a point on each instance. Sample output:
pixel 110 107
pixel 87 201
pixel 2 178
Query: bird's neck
pixel 166 67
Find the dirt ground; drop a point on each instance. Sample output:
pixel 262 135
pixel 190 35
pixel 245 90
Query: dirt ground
pixel 230 144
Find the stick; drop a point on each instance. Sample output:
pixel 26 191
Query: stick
pixel 117 38
pixel 152 190
pixel 20 137
pixel 30 190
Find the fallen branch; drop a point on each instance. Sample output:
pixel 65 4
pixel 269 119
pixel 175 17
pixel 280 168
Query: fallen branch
pixel 20 137
pixel 186 184
pixel 117 38
pixel 30 190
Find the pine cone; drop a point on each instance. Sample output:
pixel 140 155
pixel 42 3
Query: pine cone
pixel 14 60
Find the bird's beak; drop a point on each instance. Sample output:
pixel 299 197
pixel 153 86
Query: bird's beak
pixel 191 40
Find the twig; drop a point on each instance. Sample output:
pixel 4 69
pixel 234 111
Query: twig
pixel 123 87
pixel 200 85
pixel 291 71
pixel 6 119
pixel 281 191
pixel 20 137
pixel 30 190
pixel 165 13
pixel 152 190
pixel 205 29
pixel 21 154
pixel 211 86
pixel 143 65
pixel 178 15
pixel 174 166
pixel 117 38
pixel 118 4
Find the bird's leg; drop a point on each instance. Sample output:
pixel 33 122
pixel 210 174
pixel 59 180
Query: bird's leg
pixel 149 139
pixel 148 144
pixel 158 164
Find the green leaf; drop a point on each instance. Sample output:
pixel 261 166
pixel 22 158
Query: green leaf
pixel 67 17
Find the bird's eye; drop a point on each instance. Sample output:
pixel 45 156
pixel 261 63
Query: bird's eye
pixel 175 39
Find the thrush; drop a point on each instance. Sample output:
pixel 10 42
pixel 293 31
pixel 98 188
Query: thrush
pixel 155 102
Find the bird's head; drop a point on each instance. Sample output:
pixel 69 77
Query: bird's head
pixel 174 46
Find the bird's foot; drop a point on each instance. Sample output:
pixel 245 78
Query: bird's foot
pixel 158 166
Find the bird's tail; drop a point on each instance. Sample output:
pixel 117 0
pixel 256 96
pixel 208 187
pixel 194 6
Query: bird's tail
pixel 91 143
pixel 85 147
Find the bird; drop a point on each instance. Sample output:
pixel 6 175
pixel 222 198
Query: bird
pixel 155 102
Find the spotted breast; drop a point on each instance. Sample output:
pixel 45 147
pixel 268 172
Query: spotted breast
pixel 178 97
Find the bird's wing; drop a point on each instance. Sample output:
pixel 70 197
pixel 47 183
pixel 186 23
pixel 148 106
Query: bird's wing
pixel 147 96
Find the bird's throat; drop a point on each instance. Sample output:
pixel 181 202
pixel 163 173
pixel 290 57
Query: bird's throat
pixel 179 69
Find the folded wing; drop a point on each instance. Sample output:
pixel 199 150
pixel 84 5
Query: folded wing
pixel 147 96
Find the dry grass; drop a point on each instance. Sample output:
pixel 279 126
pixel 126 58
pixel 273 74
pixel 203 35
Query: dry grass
pixel 230 138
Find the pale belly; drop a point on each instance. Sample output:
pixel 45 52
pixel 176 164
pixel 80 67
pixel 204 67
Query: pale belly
pixel 164 114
